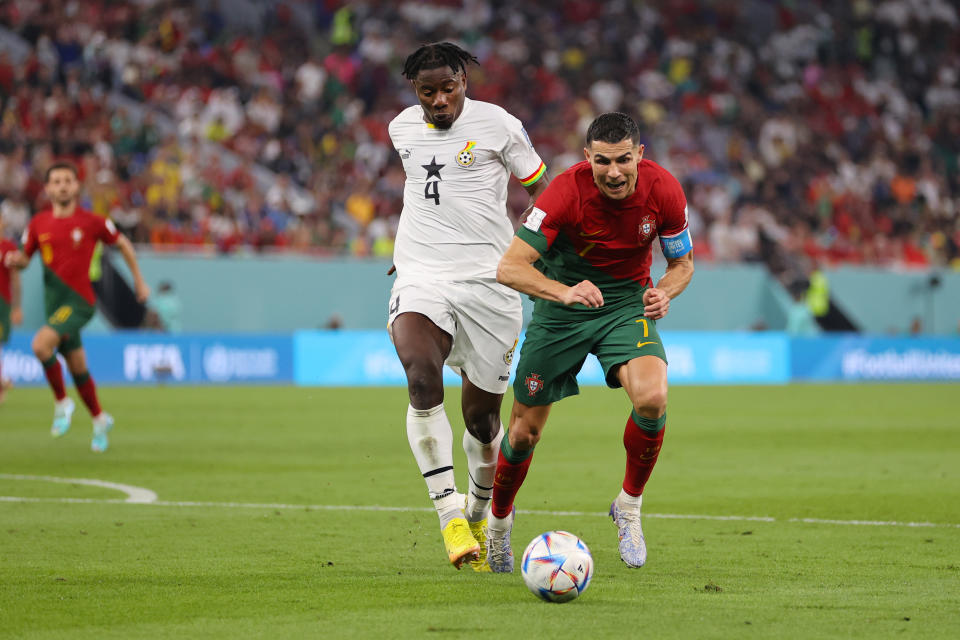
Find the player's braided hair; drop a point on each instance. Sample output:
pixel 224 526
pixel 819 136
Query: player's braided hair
pixel 436 55
pixel 613 127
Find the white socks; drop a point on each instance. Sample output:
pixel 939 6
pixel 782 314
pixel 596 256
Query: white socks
pixel 629 503
pixel 482 466
pixel 431 440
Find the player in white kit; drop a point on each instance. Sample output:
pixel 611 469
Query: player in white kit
pixel 446 305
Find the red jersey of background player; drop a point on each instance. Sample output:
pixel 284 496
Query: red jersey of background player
pixel 583 235
pixel 5 247
pixel 67 245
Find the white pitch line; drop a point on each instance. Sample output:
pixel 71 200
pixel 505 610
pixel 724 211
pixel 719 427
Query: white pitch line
pixel 379 508
pixel 136 495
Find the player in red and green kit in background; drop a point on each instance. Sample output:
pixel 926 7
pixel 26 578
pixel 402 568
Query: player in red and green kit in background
pixel 584 253
pixel 66 237
pixel 10 312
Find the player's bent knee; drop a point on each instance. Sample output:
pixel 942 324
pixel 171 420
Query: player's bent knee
pixel 483 426
pixel 651 403
pixel 425 386
pixel 42 348
pixel 524 435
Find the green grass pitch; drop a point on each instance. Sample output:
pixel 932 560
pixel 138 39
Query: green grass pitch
pixel 250 536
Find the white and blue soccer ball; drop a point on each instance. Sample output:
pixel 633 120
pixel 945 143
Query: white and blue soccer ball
pixel 557 566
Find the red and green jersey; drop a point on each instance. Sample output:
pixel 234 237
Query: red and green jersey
pixel 5 292
pixel 67 247
pixel 583 235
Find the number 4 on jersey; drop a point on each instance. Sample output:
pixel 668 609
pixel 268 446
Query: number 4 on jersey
pixel 431 191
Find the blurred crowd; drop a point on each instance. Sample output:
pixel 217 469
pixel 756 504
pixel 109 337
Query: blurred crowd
pixel 804 133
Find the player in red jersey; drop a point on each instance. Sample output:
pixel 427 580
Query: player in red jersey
pixel 66 237
pixel 590 234
pixel 10 312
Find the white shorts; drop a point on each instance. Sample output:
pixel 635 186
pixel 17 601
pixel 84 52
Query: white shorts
pixel 483 317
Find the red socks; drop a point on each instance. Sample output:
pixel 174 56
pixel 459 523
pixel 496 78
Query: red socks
pixel 511 470
pixel 54 373
pixel 643 448
pixel 88 392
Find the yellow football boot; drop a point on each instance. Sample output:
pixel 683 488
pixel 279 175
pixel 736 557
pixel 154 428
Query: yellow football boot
pixel 479 531
pixel 460 543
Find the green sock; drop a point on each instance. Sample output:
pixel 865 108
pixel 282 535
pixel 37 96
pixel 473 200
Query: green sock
pixel 650 425
pixel 512 456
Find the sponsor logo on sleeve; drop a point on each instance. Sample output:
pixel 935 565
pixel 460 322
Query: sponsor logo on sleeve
pixel 526 136
pixel 535 219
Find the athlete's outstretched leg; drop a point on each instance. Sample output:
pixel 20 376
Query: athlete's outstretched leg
pixel 481 443
pixel 102 421
pixel 422 348
pixel 513 461
pixel 645 381
pixel 45 343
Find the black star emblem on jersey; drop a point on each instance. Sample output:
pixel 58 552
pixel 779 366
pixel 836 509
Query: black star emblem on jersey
pixel 433 169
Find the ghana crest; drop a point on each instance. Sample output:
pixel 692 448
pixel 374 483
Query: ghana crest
pixel 465 156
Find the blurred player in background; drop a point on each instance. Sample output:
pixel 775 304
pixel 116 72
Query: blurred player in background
pixel 446 305
pixel 591 232
pixel 10 312
pixel 66 237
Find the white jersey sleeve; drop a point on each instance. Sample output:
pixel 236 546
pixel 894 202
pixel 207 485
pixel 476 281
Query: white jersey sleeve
pixel 519 155
pixel 454 224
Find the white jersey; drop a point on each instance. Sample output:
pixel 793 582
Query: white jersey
pixel 454 224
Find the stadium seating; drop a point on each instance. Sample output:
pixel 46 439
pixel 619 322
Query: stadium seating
pixel 804 133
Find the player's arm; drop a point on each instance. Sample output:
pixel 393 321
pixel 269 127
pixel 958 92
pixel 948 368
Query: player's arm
pixel 130 257
pixel 21 258
pixel 516 270
pixel 16 260
pixel 535 190
pixel 677 246
pixel 656 300
pixel 16 312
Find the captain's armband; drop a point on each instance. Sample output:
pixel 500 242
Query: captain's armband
pixel 676 246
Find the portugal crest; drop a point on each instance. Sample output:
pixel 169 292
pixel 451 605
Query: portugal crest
pixel 647 227
pixel 465 156
pixel 534 383
pixel 76 235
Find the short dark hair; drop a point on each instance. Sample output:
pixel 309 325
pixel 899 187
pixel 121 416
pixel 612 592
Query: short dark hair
pixel 613 127
pixel 61 164
pixel 436 55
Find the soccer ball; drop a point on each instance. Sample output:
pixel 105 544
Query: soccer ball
pixel 557 566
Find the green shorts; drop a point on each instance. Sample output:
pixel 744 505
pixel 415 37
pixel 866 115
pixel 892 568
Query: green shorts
pixel 4 321
pixel 554 351
pixel 67 315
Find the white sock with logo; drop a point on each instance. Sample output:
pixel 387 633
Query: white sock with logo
pixel 627 502
pixel 431 440
pixel 482 467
